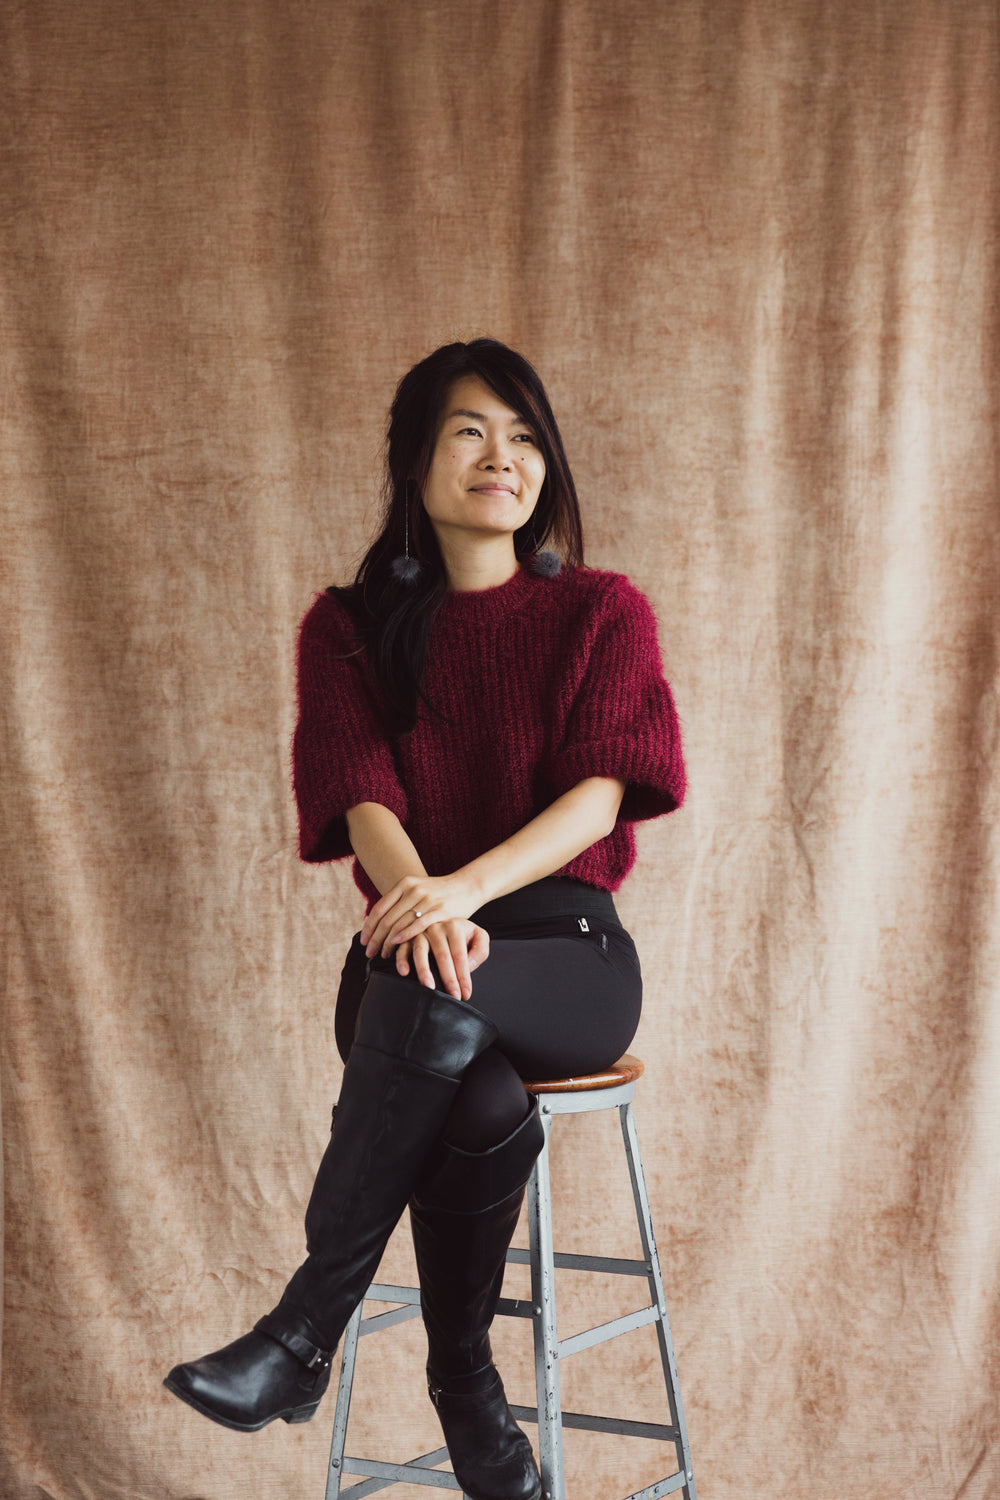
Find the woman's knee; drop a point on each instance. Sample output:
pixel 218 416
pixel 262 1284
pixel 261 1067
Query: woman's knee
pixel 490 1103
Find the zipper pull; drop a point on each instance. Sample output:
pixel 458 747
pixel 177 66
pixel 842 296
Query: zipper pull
pixel 584 924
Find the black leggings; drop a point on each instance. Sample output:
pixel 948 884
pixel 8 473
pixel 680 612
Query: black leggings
pixel 562 986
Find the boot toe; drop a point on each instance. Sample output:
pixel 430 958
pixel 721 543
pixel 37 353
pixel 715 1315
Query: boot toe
pixel 248 1384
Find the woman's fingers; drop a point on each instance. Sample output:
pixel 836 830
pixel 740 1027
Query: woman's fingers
pixel 452 959
pixel 479 947
pixel 382 905
pixel 469 947
pixel 403 898
pixel 398 925
pixel 421 950
pixel 411 915
pixel 456 946
pixel 411 924
pixel 378 926
pixel 446 943
pixel 412 906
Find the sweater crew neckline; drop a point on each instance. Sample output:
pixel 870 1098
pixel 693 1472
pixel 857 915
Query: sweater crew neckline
pixel 488 606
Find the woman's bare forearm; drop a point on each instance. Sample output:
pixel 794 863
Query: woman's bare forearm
pixel 568 826
pixel 384 849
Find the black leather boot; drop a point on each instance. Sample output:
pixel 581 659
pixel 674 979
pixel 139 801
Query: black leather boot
pixel 411 1047
pixel 463 1214
pixel 258 1378
pixel 490 1455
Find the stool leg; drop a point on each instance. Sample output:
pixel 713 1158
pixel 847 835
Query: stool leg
pixel 349 1354
pixel 669 1363
pixel 543 1299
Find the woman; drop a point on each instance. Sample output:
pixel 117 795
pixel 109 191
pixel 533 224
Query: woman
pixel 480 726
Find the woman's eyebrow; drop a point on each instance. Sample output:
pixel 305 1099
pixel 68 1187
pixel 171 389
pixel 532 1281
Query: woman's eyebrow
pixel 478 416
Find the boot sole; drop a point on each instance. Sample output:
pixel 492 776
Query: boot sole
pixel 292 1414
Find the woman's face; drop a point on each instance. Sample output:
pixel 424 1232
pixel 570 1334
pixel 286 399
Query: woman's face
pixel 487 470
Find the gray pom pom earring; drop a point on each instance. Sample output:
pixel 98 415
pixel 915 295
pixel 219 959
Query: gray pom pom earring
pixel 406 569
pixel 546 564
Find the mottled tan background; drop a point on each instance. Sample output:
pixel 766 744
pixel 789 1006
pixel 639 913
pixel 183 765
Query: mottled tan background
pixel 752 247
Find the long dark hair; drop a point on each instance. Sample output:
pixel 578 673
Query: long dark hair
pixel 394 616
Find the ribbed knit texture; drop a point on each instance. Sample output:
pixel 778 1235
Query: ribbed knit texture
pixel 543 682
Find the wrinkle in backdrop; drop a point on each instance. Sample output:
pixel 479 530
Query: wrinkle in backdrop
pixel 752 250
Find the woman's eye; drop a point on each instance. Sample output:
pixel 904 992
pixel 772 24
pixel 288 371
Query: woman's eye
pixel 525 437
pixel 473 430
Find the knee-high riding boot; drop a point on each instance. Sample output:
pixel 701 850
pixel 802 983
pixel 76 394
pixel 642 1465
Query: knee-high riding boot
pixel 463 1214
pixel 411 1047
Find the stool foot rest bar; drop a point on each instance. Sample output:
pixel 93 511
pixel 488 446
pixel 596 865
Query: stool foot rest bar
pixel 613 1089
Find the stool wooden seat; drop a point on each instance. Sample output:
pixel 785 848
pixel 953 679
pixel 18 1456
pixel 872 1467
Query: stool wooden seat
pixel 612 1088
pixel 626 1070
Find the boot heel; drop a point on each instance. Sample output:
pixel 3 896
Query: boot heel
pixel 301 1413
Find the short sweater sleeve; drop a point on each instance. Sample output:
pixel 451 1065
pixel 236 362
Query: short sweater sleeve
pixel 340 754
pixel 622 721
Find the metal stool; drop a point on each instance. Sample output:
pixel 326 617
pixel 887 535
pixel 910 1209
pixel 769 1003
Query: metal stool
pixel 612 1089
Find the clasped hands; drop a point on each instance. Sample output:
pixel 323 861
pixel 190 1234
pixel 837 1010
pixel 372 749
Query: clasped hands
pixel 423 915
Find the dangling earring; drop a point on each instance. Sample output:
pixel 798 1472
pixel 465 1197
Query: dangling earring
pixel 545 564
pixel 406 569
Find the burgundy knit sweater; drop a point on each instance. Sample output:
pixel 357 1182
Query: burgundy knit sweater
pixel 543 681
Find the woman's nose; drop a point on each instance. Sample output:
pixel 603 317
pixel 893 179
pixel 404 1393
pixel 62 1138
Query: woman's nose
pixel 496 457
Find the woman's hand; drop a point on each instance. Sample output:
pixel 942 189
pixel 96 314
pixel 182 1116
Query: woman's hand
pixel 424 914
pixel 410 906
pixel 577 819
pixel 458 948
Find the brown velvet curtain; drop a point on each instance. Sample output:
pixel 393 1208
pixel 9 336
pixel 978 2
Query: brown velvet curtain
pixel 751 246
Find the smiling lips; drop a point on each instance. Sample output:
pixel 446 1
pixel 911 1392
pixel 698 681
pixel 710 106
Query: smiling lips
pixel 493 488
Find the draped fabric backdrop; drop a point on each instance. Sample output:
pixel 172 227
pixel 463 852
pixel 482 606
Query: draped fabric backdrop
pixel 751 245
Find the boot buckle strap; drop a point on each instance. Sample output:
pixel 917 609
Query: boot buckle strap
pixel 311 1355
